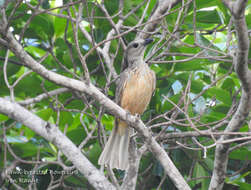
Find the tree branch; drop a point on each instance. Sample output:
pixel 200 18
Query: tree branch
pixel 43 96
pixel 53 134
pixel 163 7
pixel 113 108
pixel 241 67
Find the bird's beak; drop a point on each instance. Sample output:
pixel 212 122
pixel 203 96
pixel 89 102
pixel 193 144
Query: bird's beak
pixel 147 41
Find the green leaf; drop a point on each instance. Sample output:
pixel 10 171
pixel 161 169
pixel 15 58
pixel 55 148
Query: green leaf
pixel 240 154
pixel 25 149
pixel 59 26
pixel 65 118
pixel 29 86
pixel 208 17
pixel 3 117
pixel 28 132
pixel 94 153
pixel 213 116
pixel 189 66
pixel 202 40
pixel 205 4
pixel 21 71
pixel 45 114
pixel 42 27
pixel 75 123
pixel 35 51
pixel 77 181
pixel 221 108
pixel 167 105
pixel 200 172
pixel 248 17
pixel 221 95
pixel 239 181
pixel 196 86
pixel 228 84
pixel 108 121
pixel 77 135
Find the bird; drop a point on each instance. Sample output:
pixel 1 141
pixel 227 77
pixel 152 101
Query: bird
pixel 135 88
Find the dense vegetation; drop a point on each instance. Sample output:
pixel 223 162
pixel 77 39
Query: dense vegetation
pixel 195 104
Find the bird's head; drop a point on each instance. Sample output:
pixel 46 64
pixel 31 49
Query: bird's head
pixel 135 50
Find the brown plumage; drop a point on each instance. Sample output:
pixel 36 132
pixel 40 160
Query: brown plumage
pixel 133 93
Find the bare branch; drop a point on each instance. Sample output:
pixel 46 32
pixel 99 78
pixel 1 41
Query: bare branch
pixel 43 96
pixel 163 7
pixel 91 90
pixel 54 135
pixel 241 67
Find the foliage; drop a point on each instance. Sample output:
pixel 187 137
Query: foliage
pixel 191 58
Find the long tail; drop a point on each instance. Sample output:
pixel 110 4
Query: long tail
pixel 115 153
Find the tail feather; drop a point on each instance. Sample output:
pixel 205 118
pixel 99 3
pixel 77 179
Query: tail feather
pixel 123 149
pixel 115 153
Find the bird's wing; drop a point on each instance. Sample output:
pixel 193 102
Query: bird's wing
pixel 121 85
pixel 121 126
pixel 154 82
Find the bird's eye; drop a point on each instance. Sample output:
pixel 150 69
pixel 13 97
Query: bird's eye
pixel 135 45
